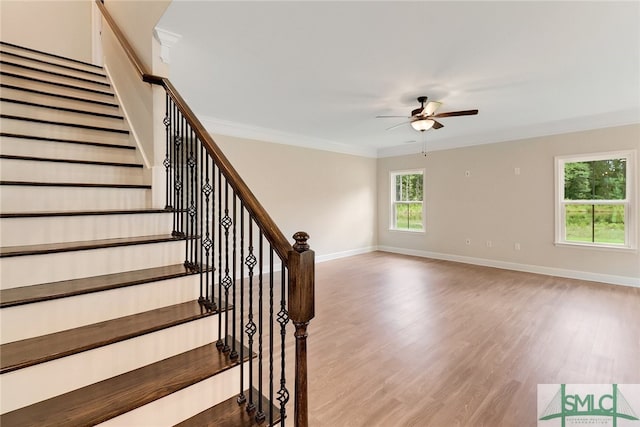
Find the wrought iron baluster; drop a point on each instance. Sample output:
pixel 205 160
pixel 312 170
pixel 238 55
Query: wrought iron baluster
pixel 176 165
pixel 283 319
pixel 220 342
pixel 234 352
pixel 271 349
pixel 167 161
pixel 193 209
pixel 251 326
pixel 260 414
pixel 241 397
pixel 226 282
pixel 207 242
pixel 203 216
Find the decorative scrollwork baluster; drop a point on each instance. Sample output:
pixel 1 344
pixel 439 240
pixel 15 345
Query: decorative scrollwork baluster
pixel 234 352
pixel 251 328
pixel 283 319
pixel 241 397
pixel 226 282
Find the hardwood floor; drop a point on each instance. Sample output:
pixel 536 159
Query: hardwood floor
pixel 404 341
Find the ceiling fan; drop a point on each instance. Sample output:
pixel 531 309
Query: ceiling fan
pixel 423 118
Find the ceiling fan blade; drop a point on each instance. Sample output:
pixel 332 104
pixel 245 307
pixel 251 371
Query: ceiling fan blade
pixel 392 117
pixel 437 124
pixel 397 126
pixel 458 113
pixel 432 107
pixel 417 111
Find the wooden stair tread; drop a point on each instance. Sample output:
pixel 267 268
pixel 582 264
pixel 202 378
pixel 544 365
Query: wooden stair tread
pixel 53 64
pixel 52 55
pixel 69 141
pixel 230 414
pixel 58 123
pixel 48 248
pixel 67 288
pixel 58 108
pixel 53 73
pixel 59 95
pixel 83 213
pixel 64 85
pixel 31 351
pixel 82 162
pixel 106 399
pixel 74 184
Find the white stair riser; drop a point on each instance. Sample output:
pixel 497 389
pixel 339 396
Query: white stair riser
pixel 39 382
pixel 22 127
pixel 50 114
pixel 34 269
pixel 183 404
pixel 17 198
pixel 57 101
pixel 69 91
pixel 94 307
pixel 48 58
pixel 56 69
pixel 55 229
pixel 55 78
pixel 38 171
pixel 62 150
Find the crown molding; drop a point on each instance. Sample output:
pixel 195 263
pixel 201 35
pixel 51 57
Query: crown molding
pixel 166 39
pixel 242 130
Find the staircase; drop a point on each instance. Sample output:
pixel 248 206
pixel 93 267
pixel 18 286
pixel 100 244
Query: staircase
pixel 100 319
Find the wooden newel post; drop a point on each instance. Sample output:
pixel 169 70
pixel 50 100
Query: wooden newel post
pixel 301 311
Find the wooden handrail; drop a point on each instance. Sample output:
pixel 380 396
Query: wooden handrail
pixel 271 231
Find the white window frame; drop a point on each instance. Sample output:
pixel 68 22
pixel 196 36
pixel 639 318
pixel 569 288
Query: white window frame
pixel 392 204
pixel 630 202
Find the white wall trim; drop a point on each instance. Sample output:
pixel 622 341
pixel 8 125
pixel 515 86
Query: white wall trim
pixel 127 117
pixel 548 271
pixel 345 254
pixel 166 39
pixel 243 130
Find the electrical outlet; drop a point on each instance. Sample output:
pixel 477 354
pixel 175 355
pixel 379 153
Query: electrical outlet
pixel 467 173
pixel 516 171
pixel 516 246
pixel 489 243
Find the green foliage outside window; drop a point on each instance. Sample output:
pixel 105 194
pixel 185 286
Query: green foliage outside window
pixel 595 181
pixel 407 206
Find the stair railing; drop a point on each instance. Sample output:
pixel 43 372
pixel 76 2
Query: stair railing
pixel 248 270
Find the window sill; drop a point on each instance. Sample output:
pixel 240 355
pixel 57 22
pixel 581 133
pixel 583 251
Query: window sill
pixel 400 230
pixel 597 247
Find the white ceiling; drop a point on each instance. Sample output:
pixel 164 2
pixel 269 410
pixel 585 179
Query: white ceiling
pixel 317 73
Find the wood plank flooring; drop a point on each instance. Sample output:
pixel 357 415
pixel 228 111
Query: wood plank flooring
pixel 404 341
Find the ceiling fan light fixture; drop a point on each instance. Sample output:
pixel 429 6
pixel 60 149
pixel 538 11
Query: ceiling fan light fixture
pixel 422 124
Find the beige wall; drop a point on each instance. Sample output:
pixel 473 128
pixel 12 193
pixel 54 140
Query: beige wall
pixel 60 27
pixel 137 20
pixel 142 103
pixel 495 204
pixel 330 196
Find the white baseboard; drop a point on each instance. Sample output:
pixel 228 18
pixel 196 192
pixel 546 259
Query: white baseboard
pixel 344 254
pixel 549 271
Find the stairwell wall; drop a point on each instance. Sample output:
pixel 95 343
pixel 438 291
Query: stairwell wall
pixel 143 103
pixel 59 27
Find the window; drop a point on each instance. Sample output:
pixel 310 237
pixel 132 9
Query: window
pixel 407 208
pixel 596 200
